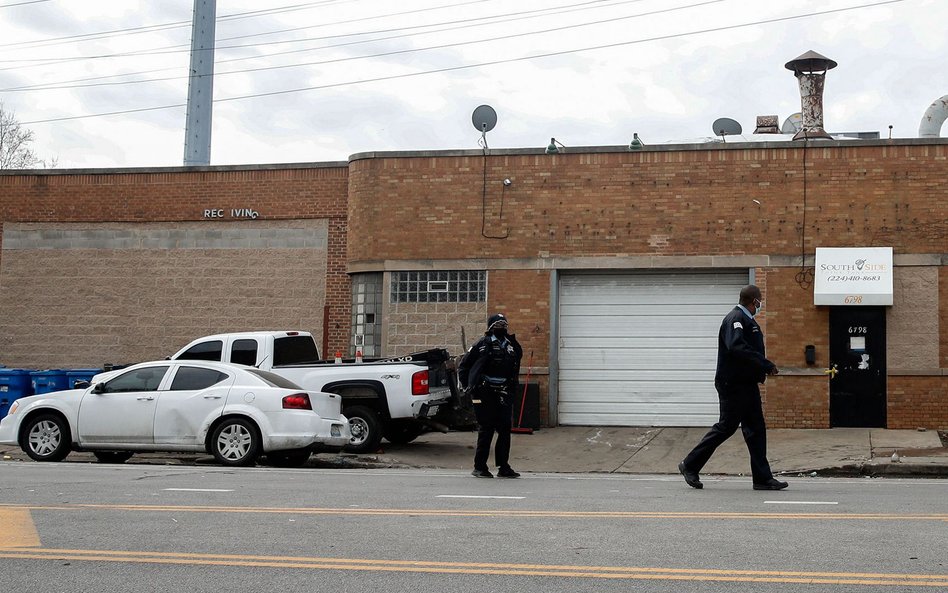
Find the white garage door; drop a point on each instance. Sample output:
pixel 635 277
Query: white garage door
pixel 640 349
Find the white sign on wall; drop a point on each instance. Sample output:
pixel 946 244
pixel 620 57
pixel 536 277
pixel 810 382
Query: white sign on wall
pixel 853 276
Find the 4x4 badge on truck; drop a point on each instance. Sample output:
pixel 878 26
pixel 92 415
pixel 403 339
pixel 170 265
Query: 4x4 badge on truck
pixel 391 377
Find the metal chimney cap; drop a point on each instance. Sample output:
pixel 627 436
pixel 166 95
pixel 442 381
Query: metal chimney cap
pixel 810 62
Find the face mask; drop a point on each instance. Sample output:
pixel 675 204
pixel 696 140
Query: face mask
pixel 759 305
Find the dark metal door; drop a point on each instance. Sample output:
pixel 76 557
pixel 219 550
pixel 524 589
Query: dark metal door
pixel 857 348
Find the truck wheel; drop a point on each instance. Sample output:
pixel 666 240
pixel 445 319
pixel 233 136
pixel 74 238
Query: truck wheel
pixel 236 442
pixel 46 438
pixel 113 456
pixel 366 429
pixel 399 432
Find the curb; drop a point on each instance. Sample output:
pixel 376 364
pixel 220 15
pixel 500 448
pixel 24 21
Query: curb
pixel 876 470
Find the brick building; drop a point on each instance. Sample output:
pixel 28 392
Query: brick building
pixel 614 267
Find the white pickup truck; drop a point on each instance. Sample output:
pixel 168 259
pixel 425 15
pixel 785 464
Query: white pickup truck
pixel 396 398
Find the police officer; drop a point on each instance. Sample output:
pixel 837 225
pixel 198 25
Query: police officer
pixel 741 367
pixel 489 373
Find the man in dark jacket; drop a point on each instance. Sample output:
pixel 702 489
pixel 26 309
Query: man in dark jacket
pixel 489 372
pixel 741 366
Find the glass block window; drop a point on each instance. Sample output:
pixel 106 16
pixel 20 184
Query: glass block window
pixel 366 328
pixel 469 286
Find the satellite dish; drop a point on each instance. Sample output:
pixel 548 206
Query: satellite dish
pixel 725 126
pixel 792 124
pixel 484 118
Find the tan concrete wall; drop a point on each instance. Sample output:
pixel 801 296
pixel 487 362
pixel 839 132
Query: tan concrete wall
pixel 82 294
pixel 912 334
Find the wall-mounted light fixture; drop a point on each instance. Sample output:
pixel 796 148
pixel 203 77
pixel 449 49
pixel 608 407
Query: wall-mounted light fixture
pixel 555 147
pixel 636 143
pixel 809 354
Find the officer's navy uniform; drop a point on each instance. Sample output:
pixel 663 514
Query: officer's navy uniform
pixel 490 370
pixel 742 365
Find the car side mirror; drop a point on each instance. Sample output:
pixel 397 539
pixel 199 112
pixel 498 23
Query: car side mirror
pixel 99 388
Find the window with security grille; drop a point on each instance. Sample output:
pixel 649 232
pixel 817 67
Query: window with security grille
pixel 462 286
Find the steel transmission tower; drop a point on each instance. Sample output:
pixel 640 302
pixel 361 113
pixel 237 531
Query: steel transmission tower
pixel 197 133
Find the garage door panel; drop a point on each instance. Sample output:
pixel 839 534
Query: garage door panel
pixel 668 305
pixel 640 326
pixel 642 358
pixel 645 392
pixel 648 418
pixel 640 349
pixel 670 408
pixel 591 377
pixel 641 342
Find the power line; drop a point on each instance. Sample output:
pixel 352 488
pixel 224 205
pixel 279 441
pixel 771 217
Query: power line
pixel 482 64
pixel 161 27
pixel 185 48
pixel 398 52
pixel 22 3
pixel 235 16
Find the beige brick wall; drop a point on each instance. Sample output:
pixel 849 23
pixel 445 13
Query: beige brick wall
pixel 80 295
pixel 411 327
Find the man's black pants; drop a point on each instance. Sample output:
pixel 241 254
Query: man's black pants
pixel 740 406
pixel 492 416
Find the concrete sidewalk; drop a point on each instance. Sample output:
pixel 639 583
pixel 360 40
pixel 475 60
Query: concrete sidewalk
pixel 575 449
pixel 638 450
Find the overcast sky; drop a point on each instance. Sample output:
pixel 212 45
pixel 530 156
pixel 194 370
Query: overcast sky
pixel 670 69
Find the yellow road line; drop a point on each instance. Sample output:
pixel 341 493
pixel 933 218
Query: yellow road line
pixel 495 513
pixel 19 540
pixel 17 529
pixel 503 569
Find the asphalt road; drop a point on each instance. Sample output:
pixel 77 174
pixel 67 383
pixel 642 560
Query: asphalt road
pixel 131 528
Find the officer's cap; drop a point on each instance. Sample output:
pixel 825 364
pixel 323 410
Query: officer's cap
pixel 495 319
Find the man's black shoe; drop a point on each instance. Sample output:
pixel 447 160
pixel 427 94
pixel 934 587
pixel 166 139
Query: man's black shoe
pixel 482 473
pixel 507 472
pixel 690 477
pixel 771 484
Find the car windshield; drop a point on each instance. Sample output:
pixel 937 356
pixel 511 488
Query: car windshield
pixel 274 380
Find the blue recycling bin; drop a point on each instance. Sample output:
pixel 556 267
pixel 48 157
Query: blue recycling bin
pixel 14 384
pixel 74 375
pixel 49 381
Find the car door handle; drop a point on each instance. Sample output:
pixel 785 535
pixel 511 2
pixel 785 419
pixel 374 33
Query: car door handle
pixel 212 397
pixel 146 398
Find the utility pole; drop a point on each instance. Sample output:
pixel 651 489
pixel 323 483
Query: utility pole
pixel 197 133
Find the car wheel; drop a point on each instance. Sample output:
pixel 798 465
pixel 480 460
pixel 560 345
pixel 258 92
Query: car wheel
pixel 399 432
pixel 366 429
pixel 292 458
pixel 46 438
pixel 113 456
pixel 236 442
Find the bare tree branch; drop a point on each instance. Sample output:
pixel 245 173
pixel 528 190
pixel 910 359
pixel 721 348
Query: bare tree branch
pixel 15 151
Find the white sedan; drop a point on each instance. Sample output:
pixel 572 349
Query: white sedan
pixel 233 412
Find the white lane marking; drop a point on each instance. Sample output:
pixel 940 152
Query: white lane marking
pixel 798 502
pixel 473 496
pixel 197 490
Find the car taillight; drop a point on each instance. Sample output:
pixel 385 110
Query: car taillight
pixel 419 383
pixel 297 401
